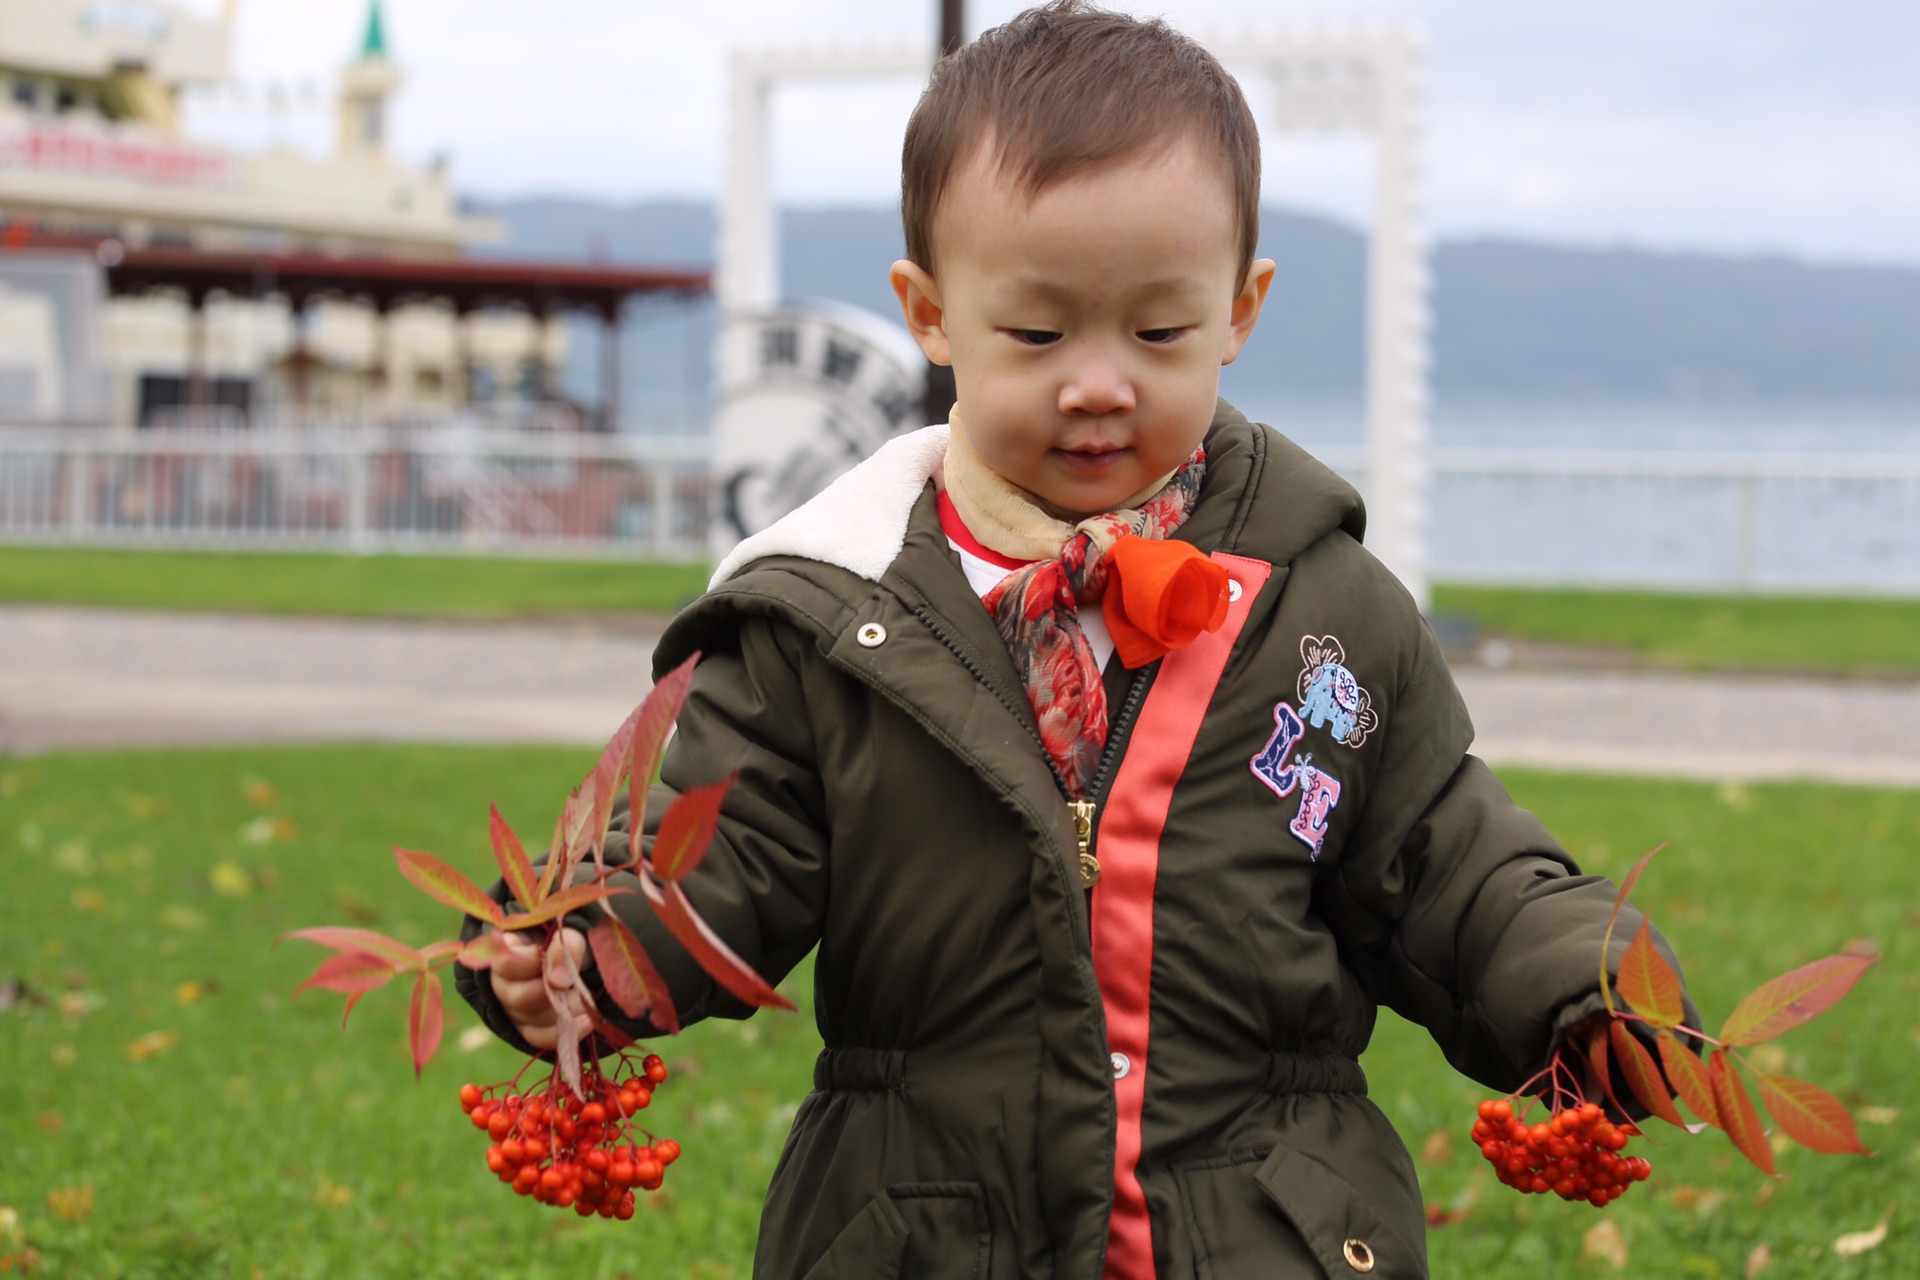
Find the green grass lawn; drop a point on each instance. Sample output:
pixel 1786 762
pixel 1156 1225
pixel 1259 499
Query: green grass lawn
pixel 1786 633
pixel 1842 636
pixel 258 1138
pixel 352 586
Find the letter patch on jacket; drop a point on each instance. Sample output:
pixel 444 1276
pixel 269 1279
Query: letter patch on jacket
pixel 1319 790
pixel 1330 697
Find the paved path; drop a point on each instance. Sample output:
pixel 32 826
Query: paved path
pixel 77 677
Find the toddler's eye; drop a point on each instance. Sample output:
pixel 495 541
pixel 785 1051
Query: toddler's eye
pixel 1159 335
pixel 1034 337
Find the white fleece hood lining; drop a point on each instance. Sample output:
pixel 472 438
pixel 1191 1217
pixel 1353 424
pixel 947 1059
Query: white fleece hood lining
pixel 859 522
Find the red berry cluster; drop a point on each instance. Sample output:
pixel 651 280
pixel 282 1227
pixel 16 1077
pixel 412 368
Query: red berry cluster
pixel 567 1150
pixel 1575 1154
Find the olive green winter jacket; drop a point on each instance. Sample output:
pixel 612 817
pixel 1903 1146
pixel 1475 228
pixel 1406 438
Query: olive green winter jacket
pixel 1020 1072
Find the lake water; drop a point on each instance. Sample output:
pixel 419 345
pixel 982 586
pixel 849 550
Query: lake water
pixel 1819 499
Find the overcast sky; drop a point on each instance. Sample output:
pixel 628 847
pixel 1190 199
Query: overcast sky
pixel 1775 126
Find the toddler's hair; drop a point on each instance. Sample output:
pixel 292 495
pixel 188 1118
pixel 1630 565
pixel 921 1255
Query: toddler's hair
pixel 1066 87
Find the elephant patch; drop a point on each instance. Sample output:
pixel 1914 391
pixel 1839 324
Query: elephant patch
pixel 1330 697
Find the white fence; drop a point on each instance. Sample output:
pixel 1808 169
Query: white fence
pixel 450 486
pixel 1818 523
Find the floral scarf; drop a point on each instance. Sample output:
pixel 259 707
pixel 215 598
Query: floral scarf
pixel 1155 595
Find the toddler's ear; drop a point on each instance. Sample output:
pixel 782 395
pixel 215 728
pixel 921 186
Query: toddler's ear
pixel 1246 308
pixel 920 307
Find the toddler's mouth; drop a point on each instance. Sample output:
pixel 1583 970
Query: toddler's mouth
pixel 1092 458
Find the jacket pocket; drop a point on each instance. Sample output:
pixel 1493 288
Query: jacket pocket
pixel 913 1231
pixel 1286 1214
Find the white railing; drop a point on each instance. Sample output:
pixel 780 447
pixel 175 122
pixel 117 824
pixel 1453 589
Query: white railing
pixel 443 486
pixel 1819 523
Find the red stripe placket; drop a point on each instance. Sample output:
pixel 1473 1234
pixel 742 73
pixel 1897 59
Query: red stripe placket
pixel 1129 843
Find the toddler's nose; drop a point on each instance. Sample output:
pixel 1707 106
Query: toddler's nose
pixel 1097 387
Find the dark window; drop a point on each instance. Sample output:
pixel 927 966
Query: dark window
pixel 27 94
pixel 779 346
pixel 65 100
pixel 842 362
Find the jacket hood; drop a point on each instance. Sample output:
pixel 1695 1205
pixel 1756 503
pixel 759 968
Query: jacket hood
pixel 1288 501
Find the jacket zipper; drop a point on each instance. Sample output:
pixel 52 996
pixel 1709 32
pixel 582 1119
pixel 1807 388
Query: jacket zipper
pixel 1084 811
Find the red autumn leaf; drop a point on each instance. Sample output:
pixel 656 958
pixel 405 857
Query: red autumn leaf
pixel 566 1027
pixel 609 775
pixel 1643 1075
pixel 434 952
pixel 1810 1116
pixel 576 821
pixel 483 949
pixel 652 726
pixel 555 905
pixel 1689 1078
pixel 1648 983
pixel 1620 901
pixel 445 885
pixel 1737 1115
pixel 515 869
pixel 349 973
pixel 630 976
pixel 1793 998
pixel 343 938
pixel 1597 1061
pixel 614 1038
pixel 549 873
pixel 1632 878
pixel 687 829
pixel 425 1020
pixel 670 903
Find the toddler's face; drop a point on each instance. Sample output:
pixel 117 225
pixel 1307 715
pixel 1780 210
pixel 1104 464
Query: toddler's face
pixel 1086 325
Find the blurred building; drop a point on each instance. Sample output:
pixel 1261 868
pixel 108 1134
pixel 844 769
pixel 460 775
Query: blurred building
pixel 235 285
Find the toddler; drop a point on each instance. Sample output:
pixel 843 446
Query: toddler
pixel 1113 782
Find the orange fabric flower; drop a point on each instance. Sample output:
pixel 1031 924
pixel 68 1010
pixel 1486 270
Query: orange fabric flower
pixel 1161 596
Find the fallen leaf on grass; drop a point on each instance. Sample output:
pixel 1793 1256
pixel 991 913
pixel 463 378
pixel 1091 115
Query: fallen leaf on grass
pixel 1759 1260
pixel 89 900
pixel 1860 947
pixel 230 880
pixel 52 1121
pixel 1878 1115
pixel 26 1262
pixel 151 1044
pixel 1857 1242
pixel 1438 1148
pixel 71 1204
pixel 474 1039
pixel 141 806
pixel 1462 1206
pixel 260 792
pixel 11 1236
pixel 75 1005
pixel 64 1055
pixel 1705 1199
pixel 1767 1059
pixel 332 1196
pixel 265 830
pixel 1604 1243
pixel 188 992
pixel 74 856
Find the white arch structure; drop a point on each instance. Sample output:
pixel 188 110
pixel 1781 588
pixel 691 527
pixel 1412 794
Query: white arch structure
pixel 1323 81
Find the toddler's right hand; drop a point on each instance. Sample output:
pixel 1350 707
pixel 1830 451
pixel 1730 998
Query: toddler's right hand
pixel 521 989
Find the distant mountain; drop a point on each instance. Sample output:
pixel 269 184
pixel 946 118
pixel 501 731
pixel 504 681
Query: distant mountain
pixel 1513 320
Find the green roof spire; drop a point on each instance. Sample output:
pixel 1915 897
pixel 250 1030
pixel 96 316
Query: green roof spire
pixel 374 45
